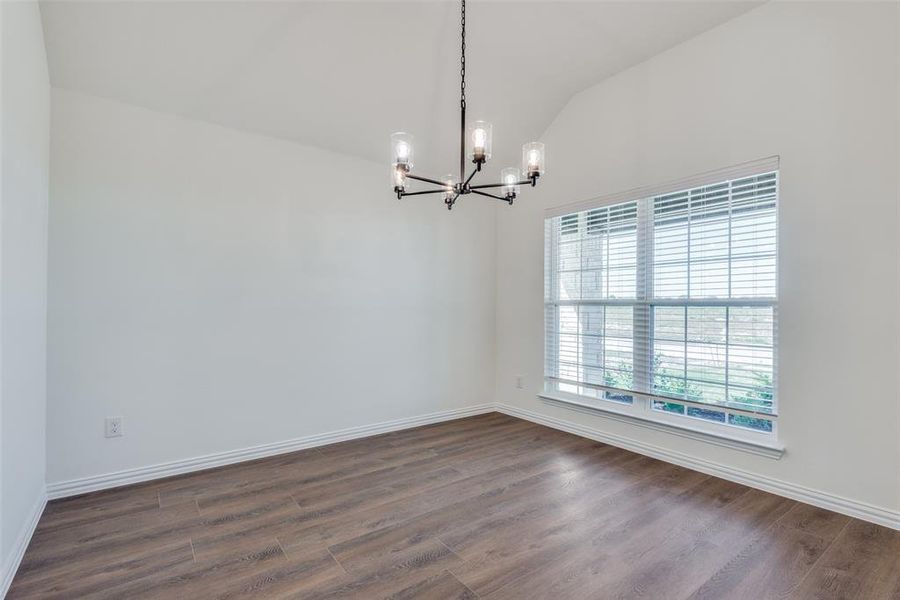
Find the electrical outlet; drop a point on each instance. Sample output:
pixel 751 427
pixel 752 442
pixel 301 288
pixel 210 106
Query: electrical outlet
pixel 114 427
pixel 520 382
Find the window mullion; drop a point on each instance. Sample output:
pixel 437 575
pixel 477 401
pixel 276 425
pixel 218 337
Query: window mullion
pixel 582 234
pixel 642 346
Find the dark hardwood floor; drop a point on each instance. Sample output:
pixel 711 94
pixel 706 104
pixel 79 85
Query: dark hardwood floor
pixel 486 507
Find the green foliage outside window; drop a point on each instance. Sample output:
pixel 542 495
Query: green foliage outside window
pixel 667 384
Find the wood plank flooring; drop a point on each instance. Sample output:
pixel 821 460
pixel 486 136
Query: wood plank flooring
pixel 487 507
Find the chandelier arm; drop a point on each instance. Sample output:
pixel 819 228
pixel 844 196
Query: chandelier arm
pixel 490 196
pixel 423 192
pixel 427 180
pixel 469 178
pixel 496 185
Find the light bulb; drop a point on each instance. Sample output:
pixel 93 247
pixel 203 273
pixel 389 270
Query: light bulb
pixel 509 177
pixel 478 137
pixel 449 189
pixel 533 160
pixel 402 149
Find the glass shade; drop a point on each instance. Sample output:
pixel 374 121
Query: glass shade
pixel 402 149
pixel 479 134
pixel 449 181
pixel 509 178
pixel 533 159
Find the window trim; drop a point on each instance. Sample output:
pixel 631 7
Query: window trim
pixel 761 447
pixel 640 411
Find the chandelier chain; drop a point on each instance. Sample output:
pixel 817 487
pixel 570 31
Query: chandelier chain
pixel 462 60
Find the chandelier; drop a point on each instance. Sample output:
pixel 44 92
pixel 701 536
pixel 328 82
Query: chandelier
pixel 476 139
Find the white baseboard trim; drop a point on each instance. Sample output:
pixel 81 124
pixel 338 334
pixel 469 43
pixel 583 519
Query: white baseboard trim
pixel 74 487
pixel 11 565
pixel 846 506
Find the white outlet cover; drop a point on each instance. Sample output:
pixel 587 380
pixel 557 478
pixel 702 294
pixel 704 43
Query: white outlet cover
pixel 114 426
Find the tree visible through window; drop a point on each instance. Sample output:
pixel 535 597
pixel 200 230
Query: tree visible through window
pixel 669 299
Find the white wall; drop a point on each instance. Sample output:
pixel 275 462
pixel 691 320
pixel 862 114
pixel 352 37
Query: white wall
pixel 222 290
pixel 815 83
pixel 23 271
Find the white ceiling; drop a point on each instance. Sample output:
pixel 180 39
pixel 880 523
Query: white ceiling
pixel 344 75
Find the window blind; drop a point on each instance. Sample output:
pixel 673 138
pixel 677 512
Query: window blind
pixel 669 302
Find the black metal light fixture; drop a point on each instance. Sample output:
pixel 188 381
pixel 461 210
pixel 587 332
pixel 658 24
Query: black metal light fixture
pixel 478 135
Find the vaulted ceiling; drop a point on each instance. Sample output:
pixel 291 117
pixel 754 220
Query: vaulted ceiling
pixel 344 75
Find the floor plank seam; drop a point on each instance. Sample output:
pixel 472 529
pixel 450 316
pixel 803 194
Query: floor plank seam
pixel 825 551
pixel 784 516
pixel 331 554
pixel 281 547
pixel 462 583
pixel 471 591
pixel 449 549
pixel 798 506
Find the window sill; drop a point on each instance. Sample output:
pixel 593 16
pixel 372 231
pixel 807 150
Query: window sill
pixel 759 448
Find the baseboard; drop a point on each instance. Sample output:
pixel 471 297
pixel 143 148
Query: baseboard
pixel 11 565
pixel 846 506
pixel 63 489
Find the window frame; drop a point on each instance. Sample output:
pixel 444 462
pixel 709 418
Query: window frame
pixel 641 407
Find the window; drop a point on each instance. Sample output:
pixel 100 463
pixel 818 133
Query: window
pixel 664 306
